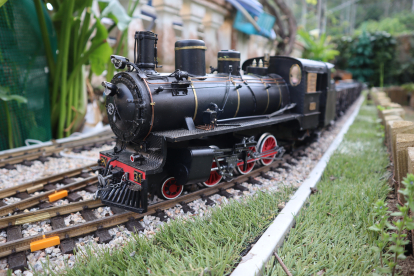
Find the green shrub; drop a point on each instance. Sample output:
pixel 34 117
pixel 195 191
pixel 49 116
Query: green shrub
pixel 369 57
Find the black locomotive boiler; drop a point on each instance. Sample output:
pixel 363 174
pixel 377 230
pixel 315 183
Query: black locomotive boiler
pixel 188 127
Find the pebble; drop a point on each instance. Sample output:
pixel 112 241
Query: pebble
pixel 85 195
pixel 103 212
pixel 22 174
pixel 74 218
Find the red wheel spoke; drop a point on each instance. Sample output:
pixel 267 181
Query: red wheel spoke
pixel 268 145
pixel 250 165
pixel 214 178
pixel 170 189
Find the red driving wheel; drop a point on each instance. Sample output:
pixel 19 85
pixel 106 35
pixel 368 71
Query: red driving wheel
pixel 250 165
pixel 214 178
pixel 269 143
pixel 170 189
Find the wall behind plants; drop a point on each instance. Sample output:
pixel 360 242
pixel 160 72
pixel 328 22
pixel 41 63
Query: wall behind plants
pixel 23 75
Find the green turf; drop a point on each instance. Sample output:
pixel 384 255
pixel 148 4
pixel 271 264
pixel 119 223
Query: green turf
pixel 211 245
pixel 331 235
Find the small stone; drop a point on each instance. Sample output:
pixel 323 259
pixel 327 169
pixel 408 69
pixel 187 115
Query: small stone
pixel 132 254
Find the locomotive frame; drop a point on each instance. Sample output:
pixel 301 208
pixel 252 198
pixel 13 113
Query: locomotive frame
pixel 193 128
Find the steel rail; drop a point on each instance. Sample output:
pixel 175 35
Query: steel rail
pixel 114 220
pixel 48 213
pixel 33 154
pixel 60 142
pixel 44 197
pixel 36 185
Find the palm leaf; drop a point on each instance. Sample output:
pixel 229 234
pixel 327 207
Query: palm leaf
pixel 2 2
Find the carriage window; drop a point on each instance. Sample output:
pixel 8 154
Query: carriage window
pixel 295 75
pixel 312 77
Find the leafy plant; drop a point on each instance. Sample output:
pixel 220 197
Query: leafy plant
pixel 382 215
pixel 317 48
pixel 4 98
pixel 2 2
pixel 360 63
pixel 67 77
pixel 76 25
pixel 397 238
pixel 389 25
pixel 121 19
pixel 408 87
pixel 370 57
pixel 380 107
pixel 344 45
pixel 384 54
pixel 399 23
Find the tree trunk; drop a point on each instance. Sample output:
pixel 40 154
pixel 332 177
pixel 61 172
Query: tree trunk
pixel 342 15
pixel 387 8
pixel 292 26
pixel 305 12
pixel 285 30
pixel 352 24
pixel 320 16
pixel 325 18
pixel 279 22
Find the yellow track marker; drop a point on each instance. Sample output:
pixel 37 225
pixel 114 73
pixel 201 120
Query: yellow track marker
pixel 58 195
pixel 44 243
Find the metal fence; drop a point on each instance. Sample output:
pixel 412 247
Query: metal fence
pixel 23 72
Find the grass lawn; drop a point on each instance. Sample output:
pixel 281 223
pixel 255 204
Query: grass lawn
pixel 331 236
pixel 196 246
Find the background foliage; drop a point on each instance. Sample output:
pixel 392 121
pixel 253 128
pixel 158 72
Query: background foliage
pixel 346 18
pixel 317 47
pixel 370 57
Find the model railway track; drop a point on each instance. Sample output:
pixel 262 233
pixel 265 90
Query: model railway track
pixel 26 156
pixel 16 245
pixel 43 198
pixel 47 183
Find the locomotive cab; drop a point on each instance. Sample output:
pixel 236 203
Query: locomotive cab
pixel 309 85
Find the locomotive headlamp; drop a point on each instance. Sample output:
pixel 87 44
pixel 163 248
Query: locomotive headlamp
pixel 119 62
pixel 137 158
pixel 110 88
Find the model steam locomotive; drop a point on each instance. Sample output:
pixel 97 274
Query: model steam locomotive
pixel 189 127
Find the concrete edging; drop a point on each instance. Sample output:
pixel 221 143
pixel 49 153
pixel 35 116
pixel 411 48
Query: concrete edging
pixel 258 256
